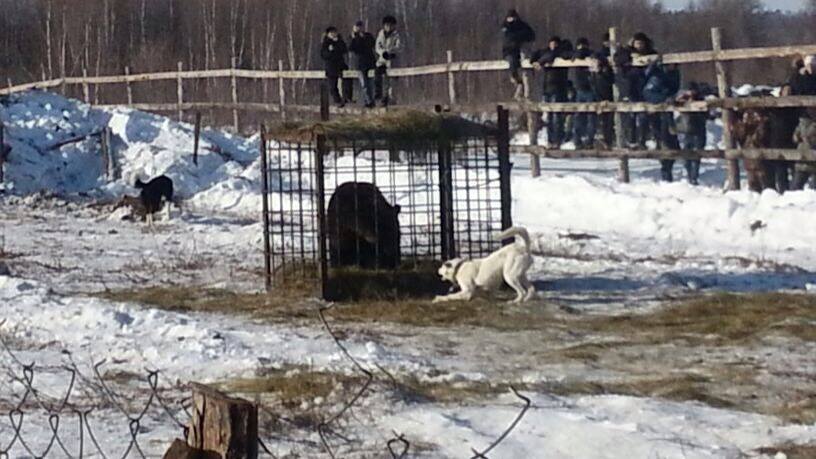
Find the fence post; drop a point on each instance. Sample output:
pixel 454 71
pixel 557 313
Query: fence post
pixel 325 113
pixel 86 92
pixel 533 128
pixel 451 80
pixel 10 85
pixel 3 152
pixel 223 426
pixel 321 151
pixel 281 90
pixel 180 90
pixel 234 84
pixel 197 137
pixel 129 87
pixel 623 165
pixel 265 207
pixel 105 147
pixel 723 92
pixel 505 166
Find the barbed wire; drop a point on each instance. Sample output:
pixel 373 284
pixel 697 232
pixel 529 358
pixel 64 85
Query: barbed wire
pixel 68 406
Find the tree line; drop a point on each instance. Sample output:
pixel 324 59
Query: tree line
pixel 51 38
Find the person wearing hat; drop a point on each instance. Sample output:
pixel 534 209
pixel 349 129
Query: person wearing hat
pixel 556 86
pixel 803 83
pixel 388 47
pixel 631 81
pixel 515 35
pixel 333 50
pixel 364 59
pixel 692 127
pixel 584 123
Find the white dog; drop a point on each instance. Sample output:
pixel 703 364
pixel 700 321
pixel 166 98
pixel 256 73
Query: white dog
pixel 510 263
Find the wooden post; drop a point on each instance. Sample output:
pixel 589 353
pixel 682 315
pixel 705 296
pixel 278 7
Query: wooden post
pixel 197 137
pixel 10 85
pixel 505 166
pixel 234 84
pixel 722 87
pixel 325 113
pixel 86 91
pixel 623 165
pixel 533 128
pixel 281 91
pixel 180 91
pixel 265 209
pixel 451 80
pixel 320 153
pixel 104 147
pixel 3 152
pixel 129 87
pixel 223 426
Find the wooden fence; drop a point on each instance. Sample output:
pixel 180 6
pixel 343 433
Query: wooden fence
pixel 716 56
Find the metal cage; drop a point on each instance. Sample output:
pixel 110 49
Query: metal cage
pixel 448 198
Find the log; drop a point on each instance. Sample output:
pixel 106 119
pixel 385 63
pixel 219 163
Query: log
pixel 223 425
pixel 451 80
pixel 181 450
pixel 723 89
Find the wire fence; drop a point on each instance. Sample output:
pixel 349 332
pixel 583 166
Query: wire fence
pixel 104 413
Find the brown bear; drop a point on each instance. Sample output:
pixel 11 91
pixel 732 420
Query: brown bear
pixel 363 228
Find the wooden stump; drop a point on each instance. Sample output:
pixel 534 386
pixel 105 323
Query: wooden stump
pixel 221 426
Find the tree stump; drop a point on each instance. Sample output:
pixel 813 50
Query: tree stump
pixel 222 426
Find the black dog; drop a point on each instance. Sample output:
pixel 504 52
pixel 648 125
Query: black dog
pixel 154 195
pixel 363 228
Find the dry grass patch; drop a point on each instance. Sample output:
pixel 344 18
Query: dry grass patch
pixel 720 319
pixel 791 451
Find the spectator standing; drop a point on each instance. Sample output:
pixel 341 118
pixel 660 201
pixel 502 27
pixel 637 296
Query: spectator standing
pixel 556 84
pixel 692 127
pixel 584 123
pixel 333 51
pixel 364 59
pixel 516 34
pixel 631 80
pixel 603 78
pixel 388 46
pixel 803 83
pixel 661 86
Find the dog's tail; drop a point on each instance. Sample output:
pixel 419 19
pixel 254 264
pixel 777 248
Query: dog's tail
pixel 516 231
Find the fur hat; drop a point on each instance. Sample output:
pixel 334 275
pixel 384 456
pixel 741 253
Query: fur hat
pixel 512 14
pixel 389 20
pixel 554 38
pixel 640 36
pixel 583 41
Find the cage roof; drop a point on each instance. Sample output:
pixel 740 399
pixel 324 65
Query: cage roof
pixel 399 127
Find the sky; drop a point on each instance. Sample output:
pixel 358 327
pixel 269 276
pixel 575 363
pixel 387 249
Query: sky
pixel 770 4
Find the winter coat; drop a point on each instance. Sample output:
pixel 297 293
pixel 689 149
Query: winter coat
pixel 556 80
pixel 582 77
pixel 603 81
pixel 631 79
pixel 362 48
pixel 334 55
pixel 515 34
pixel 388 47
pixel 660 84
pixel 802 84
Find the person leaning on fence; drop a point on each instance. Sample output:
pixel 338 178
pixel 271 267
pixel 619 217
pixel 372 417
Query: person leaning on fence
pixel 662 84
pixel 364 59
pixel 516 34
pixel 603 82
pixel 388 46
pixel 803 83
pixel 556 85
pixel 630 81
pixel 333 51
pixel 692 127
pixel 584 123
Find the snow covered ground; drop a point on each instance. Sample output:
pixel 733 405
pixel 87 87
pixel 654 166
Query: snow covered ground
pixel 649 241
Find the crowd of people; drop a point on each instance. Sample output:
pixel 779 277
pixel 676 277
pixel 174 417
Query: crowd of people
pixel 654 83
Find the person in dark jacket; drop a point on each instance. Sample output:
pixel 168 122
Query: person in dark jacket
pixel 364 59
pixel 556 85
pixel 692 126
pixel 584 123
pixel 803 83
pixel 662 84
pixel 603 82
pixel 515 35
pixel 333 51
pixel 631 80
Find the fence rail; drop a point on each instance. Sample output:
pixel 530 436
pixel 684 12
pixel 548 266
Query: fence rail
pixel 717 56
